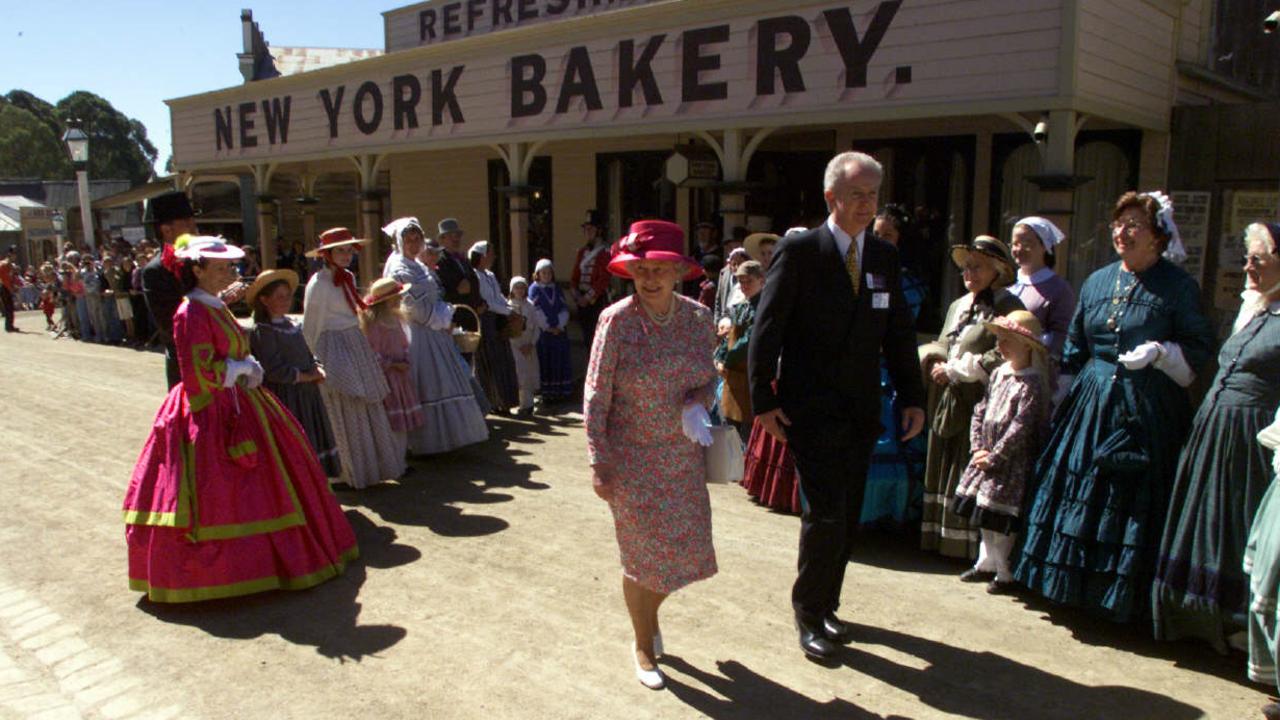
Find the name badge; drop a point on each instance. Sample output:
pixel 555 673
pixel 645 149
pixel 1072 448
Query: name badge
pixel 880 301
pixel 876 281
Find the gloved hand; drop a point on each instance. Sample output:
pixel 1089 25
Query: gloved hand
pixel 697 424
pixel 967 369
pixel 1141 356
pixel 255 374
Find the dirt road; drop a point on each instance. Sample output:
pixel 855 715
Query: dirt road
pixel 489 588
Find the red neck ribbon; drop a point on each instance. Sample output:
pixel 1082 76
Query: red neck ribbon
pixel 344 279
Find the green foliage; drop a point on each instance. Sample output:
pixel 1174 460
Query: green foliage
pixel 31 138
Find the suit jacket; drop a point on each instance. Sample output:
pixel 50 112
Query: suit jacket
pixel 829 342
pixel 163 294
pixel 451 272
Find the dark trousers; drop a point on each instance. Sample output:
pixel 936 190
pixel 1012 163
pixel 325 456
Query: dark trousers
pixel 588 318
pixel 6 306
pixel 171 372
pixel 832 455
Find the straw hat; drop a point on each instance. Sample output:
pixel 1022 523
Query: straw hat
pixel 197 247
pixel 753 242
pixel 336 237
pixel 1006 269
pixel 384 289
pixel 1021 325
pixel 268 277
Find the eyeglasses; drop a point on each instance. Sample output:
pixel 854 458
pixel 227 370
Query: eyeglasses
pixel 1256 260
pixel 1129 226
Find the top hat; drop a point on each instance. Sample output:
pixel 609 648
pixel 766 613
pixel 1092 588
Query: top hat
pixel 993 248
pixel 448 225
pixel 1019 324
pixel 594 218
pixel 267 277
pixel 335 237
pixel 653 240
pixel 384 289
pixel 169 207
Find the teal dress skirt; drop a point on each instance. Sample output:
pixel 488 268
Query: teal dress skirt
pixel 1262 564
pixel 1201 589
pixel 1095 519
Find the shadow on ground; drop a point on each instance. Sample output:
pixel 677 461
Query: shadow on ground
pixel 325 617
pixel 898 549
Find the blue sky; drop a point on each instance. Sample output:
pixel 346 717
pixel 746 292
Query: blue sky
pixel 139 53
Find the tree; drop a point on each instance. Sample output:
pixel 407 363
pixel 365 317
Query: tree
pixel 31 138
pixel 28 148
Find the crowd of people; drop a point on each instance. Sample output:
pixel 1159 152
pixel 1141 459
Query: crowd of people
pixel 1049 440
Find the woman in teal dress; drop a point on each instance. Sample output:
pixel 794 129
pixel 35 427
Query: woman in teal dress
pixel 1135 342
pixel 1200 588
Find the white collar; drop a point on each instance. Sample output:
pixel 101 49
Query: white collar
pixel 1036 277
pixel 843 241
pixel 206 298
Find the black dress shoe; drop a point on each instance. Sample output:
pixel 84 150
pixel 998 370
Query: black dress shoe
pixel 815 644
pixel 836 629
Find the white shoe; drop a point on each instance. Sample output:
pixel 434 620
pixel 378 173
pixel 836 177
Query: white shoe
pixel 657 645
pixel 652 679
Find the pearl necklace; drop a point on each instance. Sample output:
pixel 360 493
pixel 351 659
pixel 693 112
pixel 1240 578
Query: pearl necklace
pixel 662 319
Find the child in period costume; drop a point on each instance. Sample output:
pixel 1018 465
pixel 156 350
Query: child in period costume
pixel 227 498
pixel 1005 437
pixel 525 345
pixel 292 372
pixel 553 346
pixel 354 385
pixel 383 324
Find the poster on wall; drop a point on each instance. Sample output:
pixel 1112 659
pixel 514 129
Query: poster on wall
pixel 1243 209
pixel 1191 213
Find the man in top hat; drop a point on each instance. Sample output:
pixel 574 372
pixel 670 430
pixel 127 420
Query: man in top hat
pixel 832 307
pixel 8 286
pixel 457 278
pixel 591 275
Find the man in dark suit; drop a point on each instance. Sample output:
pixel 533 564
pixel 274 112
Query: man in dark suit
pixel 831 307
pixel 458 280
pixel 171 216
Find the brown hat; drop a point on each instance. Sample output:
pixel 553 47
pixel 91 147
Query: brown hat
pixel 1006 270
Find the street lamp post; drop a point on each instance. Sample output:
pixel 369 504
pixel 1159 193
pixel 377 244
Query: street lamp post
pixel 78 145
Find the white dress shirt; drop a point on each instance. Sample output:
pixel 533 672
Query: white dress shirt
pixel 844 242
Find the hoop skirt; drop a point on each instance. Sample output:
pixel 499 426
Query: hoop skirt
pixel 227 497
pixel 769 474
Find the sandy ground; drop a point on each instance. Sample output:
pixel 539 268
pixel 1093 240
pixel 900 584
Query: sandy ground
pixel 489 587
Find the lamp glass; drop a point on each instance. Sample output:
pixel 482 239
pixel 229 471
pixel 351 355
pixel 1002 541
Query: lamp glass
pixel 78 144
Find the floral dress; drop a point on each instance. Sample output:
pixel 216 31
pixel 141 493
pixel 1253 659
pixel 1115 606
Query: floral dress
pixel 637 380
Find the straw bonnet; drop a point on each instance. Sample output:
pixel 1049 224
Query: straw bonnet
pixel 336 237
pixel 267 277
pixel 755 240
pixel 384 289
pixel 1019 324
pixel 1006 270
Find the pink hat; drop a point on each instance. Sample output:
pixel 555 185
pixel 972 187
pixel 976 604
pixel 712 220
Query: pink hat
pixel 652 240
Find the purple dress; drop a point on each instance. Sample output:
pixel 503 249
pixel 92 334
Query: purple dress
pixel 1052 300
pixel 637 380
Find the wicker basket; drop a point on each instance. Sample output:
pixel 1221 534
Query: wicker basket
pixel 468 342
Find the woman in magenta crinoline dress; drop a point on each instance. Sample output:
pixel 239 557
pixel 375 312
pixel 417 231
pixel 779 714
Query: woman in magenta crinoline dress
pixel 769 473
pixel 227 497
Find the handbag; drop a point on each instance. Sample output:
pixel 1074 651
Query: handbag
pixel 724 455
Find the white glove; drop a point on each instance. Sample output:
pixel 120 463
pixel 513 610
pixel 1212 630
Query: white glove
pixel 697 424
pixel 965 368
pixel 247 368
pixel 1141 356
pixel 255 375
pixel 1174 364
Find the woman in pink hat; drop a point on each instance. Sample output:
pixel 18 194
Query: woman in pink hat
pixel 649 382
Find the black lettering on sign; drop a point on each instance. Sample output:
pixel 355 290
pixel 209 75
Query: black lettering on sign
pixel 772 61
pixel 556 7
pixel 634 71
pixel 427 25
pixel 527 74
pixel 579 81
pixel 277 114
pixel 452 23
pixel 368 90
pixel 222 127
pixel 404 109
pixel 475 11
pixel 247 139
pixel 444 95
pixel 857 53
pixel 503 8
pixel 692 89
pixel 526 10
pixel 332 105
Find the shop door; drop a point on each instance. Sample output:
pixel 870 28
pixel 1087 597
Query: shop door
pixel 540 219
pixel 633 186
pixel 932 178
pixel 787 188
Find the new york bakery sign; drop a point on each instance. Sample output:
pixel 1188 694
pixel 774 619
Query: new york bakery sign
pixel 822 57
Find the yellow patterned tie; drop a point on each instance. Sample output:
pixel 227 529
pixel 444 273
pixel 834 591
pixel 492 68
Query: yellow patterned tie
pixel 851 264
